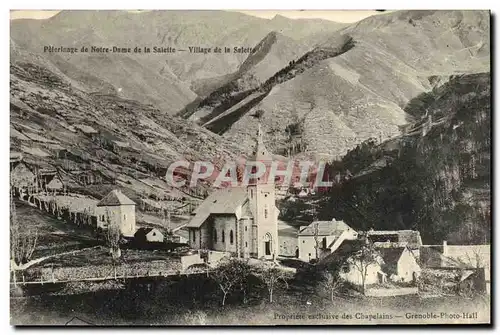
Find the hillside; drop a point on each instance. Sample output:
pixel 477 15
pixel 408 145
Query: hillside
pixel 129 144
pixel 436 178
pixel 345 98
pixel 270 55
pixel 168 81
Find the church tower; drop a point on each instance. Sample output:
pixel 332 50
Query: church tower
pixel 261 195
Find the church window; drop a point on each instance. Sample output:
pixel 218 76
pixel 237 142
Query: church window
pixel 223 237
pixel 246 228
pixel 246 244
pixel 231 237
pixel 215 235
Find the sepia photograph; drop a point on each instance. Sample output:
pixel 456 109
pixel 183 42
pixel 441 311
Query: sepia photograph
pixel 250 167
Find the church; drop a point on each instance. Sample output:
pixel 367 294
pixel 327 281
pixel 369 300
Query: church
pixel 239 220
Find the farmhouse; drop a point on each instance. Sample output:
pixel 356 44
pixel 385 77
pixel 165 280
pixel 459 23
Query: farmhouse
pixel 397 238
pixel 475 257
pixel 326 236
pixel 239 220
pixel 352 267
pixel 116 208
pixel 399 264
pixel 145 235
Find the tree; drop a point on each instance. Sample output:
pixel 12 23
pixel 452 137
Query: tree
pixel 272 275
pixel 113 240
pixel 23 240
pixel 228 275
pixel 332 283
pixel 362 258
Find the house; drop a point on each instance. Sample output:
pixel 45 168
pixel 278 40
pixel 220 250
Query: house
pixel 327 234
pixel 55 184
pixel 472 257
pixel 116 208
pixel 399 264
pixel 240 220
pixel 148 235
pixel 397 238
pixel 351 267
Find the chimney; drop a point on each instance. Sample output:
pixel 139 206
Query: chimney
pixel 445 248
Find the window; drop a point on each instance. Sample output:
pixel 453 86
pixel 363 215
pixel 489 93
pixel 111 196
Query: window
pixel 265 212
pixel 124 217
pixel 251 194
pixel 324 242
pixel 246 244
pixel 194 235
pixel 246 228
pixel 231 237
pixel 345 268
pixel 215 235
pixel 223 237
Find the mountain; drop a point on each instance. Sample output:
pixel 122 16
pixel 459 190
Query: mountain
pixel 436 178
pixel 270 55
pixel 343 98
pixel 58 126
pixel 167 80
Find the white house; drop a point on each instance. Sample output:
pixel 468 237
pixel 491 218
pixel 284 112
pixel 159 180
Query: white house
pixel 144 235
pixel 326 235
pixel 399 264
pixel 118 209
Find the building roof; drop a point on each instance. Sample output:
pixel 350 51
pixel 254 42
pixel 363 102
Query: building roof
pixel 325 228
pixel 115 198
pixel 410 238
pixel 221 201
pixel 145 231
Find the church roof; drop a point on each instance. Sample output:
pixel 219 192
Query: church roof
pixel 115 198
pixel 261 154
pixel 325 228
pixel 221 201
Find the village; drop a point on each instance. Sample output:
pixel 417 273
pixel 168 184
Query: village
pixel 99 240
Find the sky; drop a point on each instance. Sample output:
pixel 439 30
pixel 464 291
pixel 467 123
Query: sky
pixel 345 16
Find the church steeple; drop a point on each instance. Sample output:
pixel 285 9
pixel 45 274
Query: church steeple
pixel 261 153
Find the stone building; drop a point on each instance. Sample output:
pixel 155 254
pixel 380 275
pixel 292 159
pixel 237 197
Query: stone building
pixel 118 209
pixel 325 236
pixel 240 220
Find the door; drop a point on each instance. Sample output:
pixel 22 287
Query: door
pixel 268 248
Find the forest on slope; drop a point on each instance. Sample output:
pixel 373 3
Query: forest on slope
pixel 436 178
